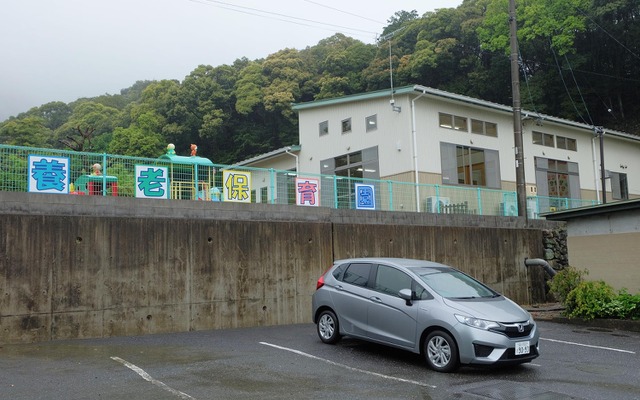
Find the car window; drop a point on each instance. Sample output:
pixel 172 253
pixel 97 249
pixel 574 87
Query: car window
pixel 420 292
pixel 454 284
pixel 338 272
pixel 390 280
pixel 357 274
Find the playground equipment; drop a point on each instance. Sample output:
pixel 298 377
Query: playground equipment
pixel 190 178
pixel 93 184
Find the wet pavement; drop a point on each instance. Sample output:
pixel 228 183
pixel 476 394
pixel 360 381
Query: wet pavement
pixel 290 362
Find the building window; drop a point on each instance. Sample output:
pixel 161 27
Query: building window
pixel 348 170
pixel 484 128
pixel 371 122
pixel 263 194
pixel 619 188
pixel 566 143
pixel 453 122
pixel 346 125
pixel 557 179
pixel 543 139
pixel 464 165
pixel 324 128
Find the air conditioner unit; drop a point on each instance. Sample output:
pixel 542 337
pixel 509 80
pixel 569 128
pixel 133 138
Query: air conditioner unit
pixel 509 208
pixel 435 204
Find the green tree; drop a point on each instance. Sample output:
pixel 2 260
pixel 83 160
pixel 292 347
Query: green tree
pixel 54 113
pixel 88 121
pixel 249 88
pixel 29 131
pixel 557 22
pixel 137 142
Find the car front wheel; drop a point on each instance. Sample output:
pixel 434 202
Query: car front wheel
pixel 441 352
pixel 328 328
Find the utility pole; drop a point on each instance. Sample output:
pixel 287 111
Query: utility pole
pixel 517 111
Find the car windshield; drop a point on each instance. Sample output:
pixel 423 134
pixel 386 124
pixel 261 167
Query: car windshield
pixel 453 284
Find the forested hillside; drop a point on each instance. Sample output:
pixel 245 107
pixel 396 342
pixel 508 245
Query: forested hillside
pixel 579 59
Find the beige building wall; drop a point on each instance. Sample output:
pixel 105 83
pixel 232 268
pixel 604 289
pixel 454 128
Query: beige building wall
pixel 613 258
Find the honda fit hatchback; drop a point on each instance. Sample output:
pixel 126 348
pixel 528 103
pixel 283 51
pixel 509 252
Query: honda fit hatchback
pixel 423 307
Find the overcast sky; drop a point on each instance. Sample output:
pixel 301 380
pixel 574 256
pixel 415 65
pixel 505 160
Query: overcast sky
pixel 61 50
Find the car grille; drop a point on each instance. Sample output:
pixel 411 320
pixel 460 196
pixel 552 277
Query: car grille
pixel 517 330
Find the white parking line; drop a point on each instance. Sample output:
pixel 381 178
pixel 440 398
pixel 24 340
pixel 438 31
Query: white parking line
pixel 148 378
pixel 348 367
pixel 588 345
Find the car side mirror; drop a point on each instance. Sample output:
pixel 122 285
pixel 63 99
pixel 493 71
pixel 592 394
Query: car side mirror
pixel 407 295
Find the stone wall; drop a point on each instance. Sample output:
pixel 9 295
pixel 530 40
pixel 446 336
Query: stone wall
pixel 555 247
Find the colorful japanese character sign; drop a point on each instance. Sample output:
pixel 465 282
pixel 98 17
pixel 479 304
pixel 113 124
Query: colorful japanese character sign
pixel 152 182
pixel 48 174
pixel 307 192
pixel 365 197
pixel 237 186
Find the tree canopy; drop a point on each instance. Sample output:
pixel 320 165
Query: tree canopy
pixel 579 60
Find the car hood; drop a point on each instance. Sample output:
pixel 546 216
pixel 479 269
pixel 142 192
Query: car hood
pixel 500 309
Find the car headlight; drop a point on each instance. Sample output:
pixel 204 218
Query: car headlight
pixel 477 323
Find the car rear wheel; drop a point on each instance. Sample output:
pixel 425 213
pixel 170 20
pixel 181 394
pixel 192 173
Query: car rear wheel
pixel 328 328
pixel 441 352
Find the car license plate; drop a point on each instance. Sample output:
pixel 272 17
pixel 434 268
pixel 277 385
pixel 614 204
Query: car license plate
pixel 522 348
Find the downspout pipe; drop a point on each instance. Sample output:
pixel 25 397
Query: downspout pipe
pixel 288 151
pixel 595 167
pixel 528 262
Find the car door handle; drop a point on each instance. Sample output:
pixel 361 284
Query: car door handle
pixel 339 287
pixel 376 299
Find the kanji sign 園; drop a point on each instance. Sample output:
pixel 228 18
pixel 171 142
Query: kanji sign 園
pixel 152 182
pixel 237 186
pixel 48 174
pixel 365 197
pixel 307 192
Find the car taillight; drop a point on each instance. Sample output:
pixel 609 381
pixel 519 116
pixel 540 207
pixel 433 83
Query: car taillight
pixel 320 282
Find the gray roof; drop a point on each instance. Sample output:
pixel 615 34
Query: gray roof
pixel 272 154
pixel 613 207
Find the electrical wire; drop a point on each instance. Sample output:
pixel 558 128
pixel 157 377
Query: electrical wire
pixel 526 79
pixel 579 91
pixel 281 17
pixel 608 34
pixel 565 83
pixel 344 12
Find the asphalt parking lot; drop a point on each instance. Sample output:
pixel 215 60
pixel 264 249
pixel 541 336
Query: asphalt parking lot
pixel 290 362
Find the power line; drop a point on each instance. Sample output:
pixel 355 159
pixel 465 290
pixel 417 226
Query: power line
pixel 526 79
pixel 620 78
pixel 565 83
pixel 279 16
pixel 344 12
pixel 584 103
pixel 608 34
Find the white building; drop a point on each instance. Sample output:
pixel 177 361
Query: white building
pixel 453 142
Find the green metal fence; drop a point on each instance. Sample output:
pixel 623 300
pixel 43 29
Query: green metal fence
pixel 197 178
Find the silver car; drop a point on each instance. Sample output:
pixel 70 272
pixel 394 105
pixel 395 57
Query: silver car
pixel 423 307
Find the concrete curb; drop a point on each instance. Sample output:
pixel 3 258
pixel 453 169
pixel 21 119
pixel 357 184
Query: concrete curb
pixel 554 313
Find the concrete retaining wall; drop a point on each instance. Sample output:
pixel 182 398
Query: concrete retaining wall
pixel 90 266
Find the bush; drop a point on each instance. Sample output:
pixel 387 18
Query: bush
pixel 565 281
pixel 624 306
pixel 591 299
